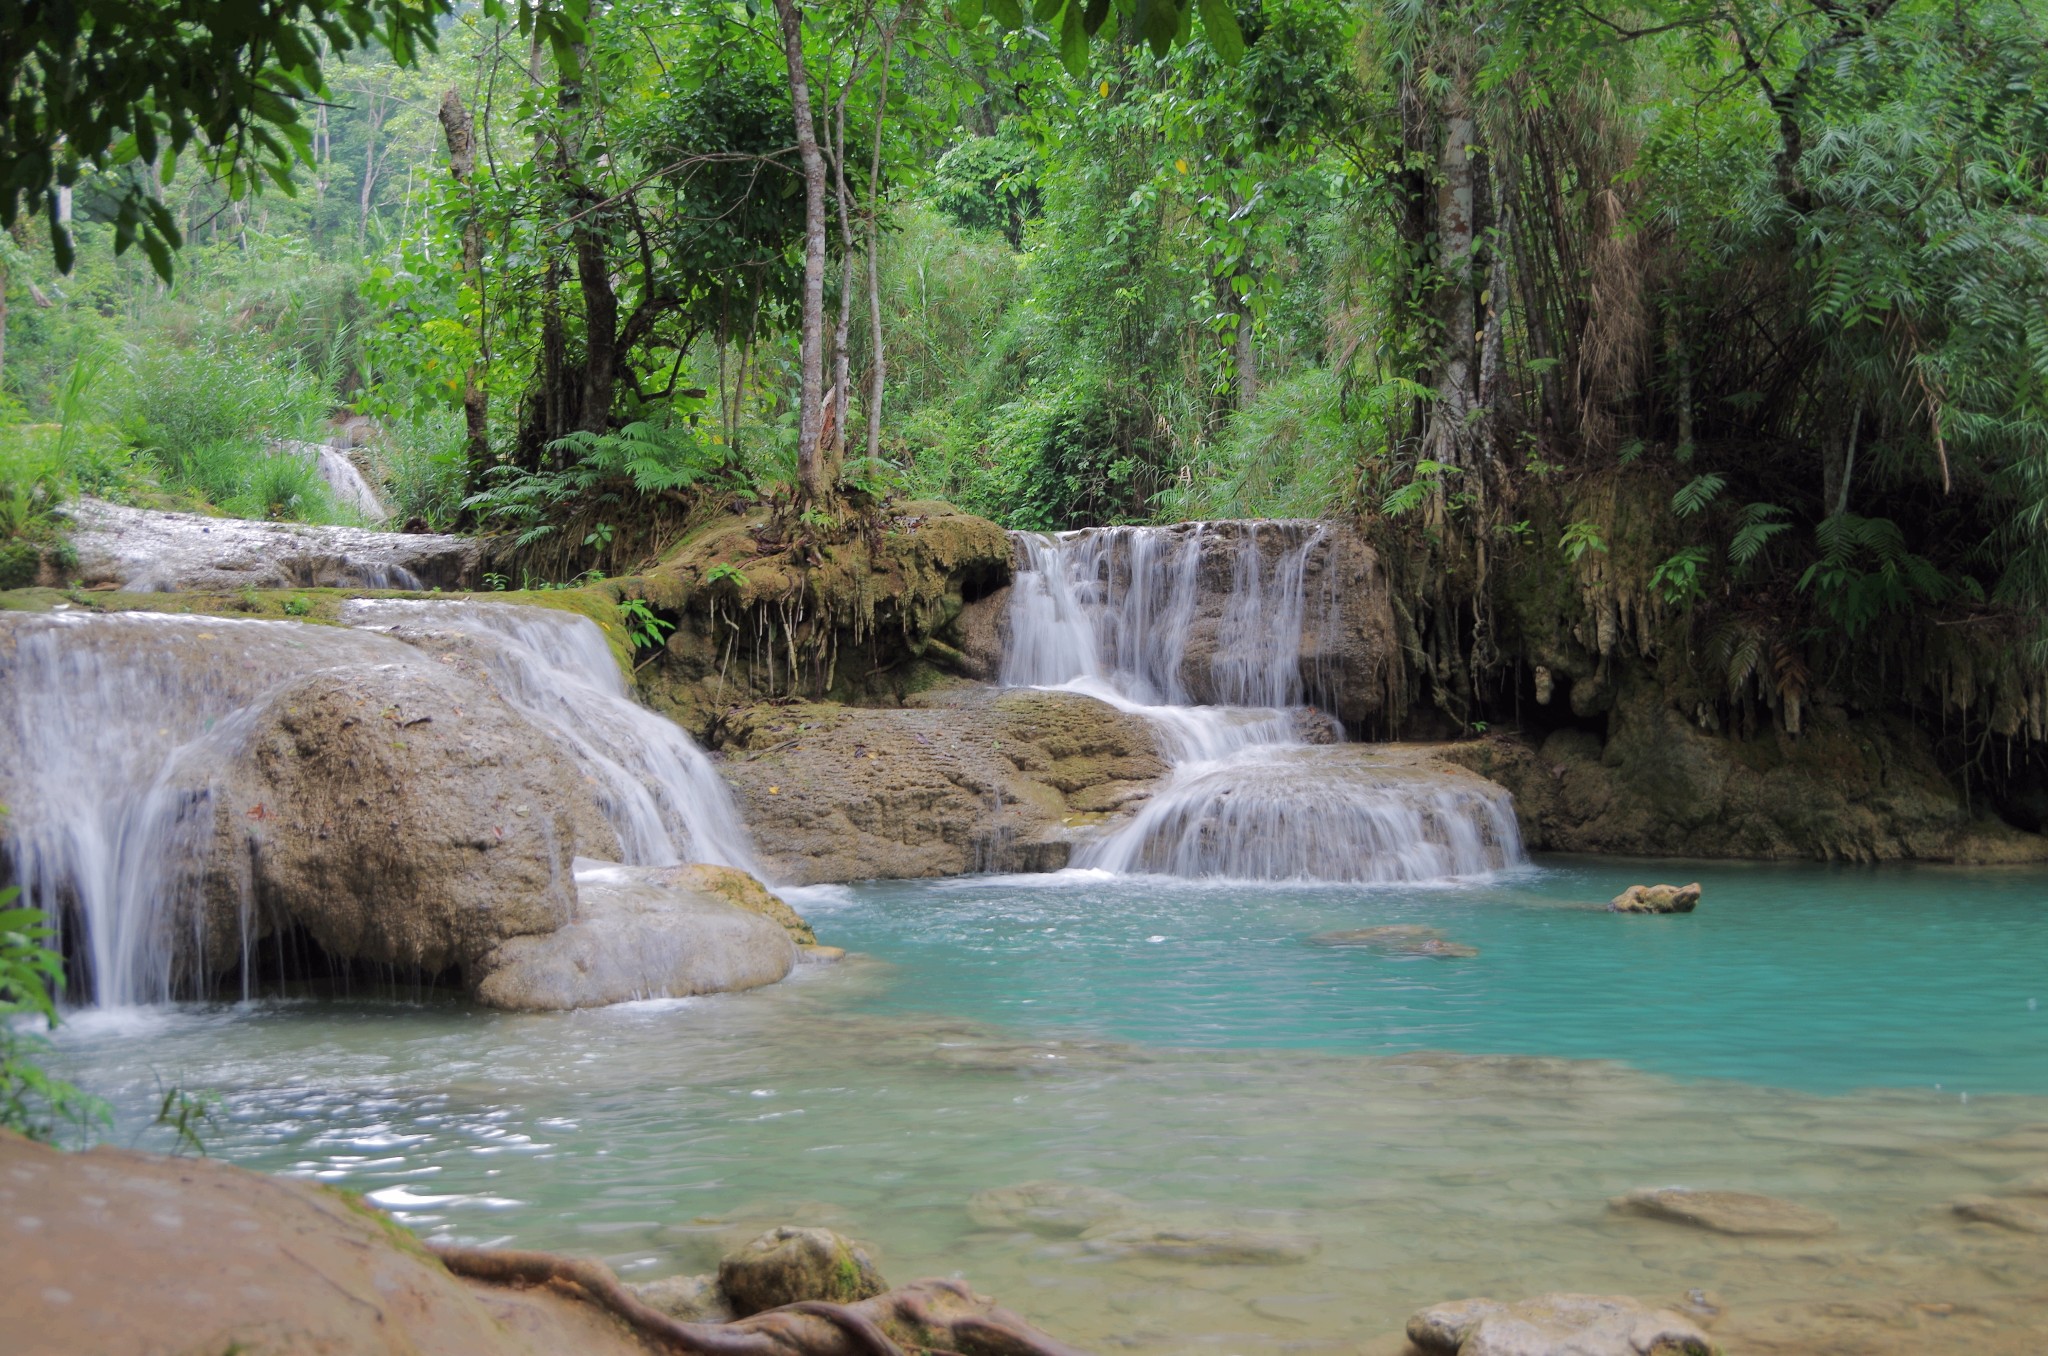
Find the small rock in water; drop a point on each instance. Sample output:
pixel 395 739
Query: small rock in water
pixel 1556 1325
pixel 2023 1217
pixel 2033 1184
pixel 688 1299
pixel 1657 899
pixel 788 1265
pixel 1398 939
pixel 1215 1245
pixel 1727 1212
pixel 1056 1209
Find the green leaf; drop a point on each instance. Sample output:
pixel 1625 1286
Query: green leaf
pixel 1008 13
pixel 1219 25
pixel 1074 41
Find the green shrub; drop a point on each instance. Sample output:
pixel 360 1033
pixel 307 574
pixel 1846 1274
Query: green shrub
pixel 32 1102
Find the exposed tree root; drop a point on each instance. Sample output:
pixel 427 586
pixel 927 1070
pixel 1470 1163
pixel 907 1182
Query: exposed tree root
pixel 939 1317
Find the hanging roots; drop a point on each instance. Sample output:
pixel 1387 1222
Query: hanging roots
pixel 931 1315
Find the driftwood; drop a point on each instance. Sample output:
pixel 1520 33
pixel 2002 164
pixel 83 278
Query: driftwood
pixel 929 1316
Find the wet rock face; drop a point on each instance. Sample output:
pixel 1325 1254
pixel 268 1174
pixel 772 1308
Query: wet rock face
pixel 1657 899
pixel 1556 1325
pixel 638 932
pixel 401 814
pixel 1741 1213
pixel 146 551
pixel 1659 785
pixel 968 779
pixel 789 1264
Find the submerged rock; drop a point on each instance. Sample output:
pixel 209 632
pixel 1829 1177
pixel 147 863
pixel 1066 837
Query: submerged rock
pixel 1056 1209
pixel 1209 1244
pixel 147 551
pixel 639 932
pixel 688 1299
pixel 2020 1216
pixel 1556 1325
pixel 789 1264
pixel 1727 1212
pixel 1398 939
pixel 1657 899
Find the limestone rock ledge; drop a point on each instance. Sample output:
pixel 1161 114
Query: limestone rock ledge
pixel 1658 785
pixel 639 932
pixel 969 778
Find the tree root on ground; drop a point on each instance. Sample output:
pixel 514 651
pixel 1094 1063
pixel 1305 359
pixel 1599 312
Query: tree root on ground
pixel 930 1316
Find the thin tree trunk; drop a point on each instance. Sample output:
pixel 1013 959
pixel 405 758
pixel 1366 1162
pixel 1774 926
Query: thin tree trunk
pixel 877 362
pixel 813 470
pixel 6 280
pixel 1246 354
pixel 842 361
pixel 460 130
pixel 376 124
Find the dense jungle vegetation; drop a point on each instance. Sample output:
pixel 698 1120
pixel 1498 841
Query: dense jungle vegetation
pixel 1709 333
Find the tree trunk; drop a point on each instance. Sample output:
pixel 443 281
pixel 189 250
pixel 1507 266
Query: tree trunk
pixel 842 361
pixel 460 130
pixel 1246 353
pixel 813 468
pixel 1450 433
pixel 877 364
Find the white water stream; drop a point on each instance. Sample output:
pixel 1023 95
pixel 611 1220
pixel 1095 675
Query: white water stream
pixel 115 727
pixel 1109 612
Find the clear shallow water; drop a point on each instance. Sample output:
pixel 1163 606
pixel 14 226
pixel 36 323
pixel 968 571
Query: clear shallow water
pixel 1811 977
pixel 1216 1079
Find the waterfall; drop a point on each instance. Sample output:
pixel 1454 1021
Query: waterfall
pixel 656 787
pixel 1200 628
pixel 113 729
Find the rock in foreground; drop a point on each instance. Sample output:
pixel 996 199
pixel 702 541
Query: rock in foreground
pixel 639 932
pixel 119 1253
pixel 1727 1212
pixel 1556 1325
pixel 790 1265
pixel 1657 899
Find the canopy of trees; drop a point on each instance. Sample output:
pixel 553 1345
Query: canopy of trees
pixel 1732 315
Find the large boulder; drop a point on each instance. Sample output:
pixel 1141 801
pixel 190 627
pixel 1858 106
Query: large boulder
pixel 1557 1325
pixel 120 1253
pixel 145 551
pixel 399 813
pixel 968 778
pixel 787 1265
pixel 639 932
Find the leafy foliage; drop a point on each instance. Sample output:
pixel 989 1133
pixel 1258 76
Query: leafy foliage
pixel 32 1102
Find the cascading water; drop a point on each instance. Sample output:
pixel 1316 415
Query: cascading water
pixel 662 795
pixel 113 728
pixel 1111 612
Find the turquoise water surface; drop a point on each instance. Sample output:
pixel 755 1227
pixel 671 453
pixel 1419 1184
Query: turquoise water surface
pixel 1817 978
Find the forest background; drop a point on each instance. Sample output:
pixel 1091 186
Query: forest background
pixel 1722 324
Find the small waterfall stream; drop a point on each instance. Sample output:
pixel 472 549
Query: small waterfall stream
pixel 113 728
pixel 1110 612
